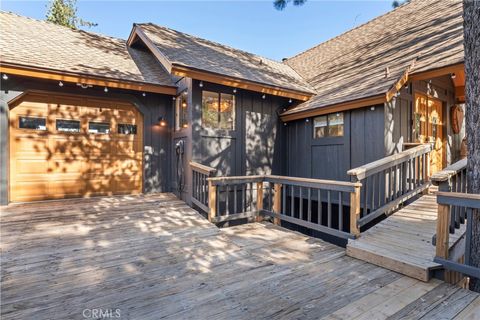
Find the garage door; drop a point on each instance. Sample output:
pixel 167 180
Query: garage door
pixel 74 147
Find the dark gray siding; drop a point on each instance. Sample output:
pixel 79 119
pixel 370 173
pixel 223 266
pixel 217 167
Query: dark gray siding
pixel 255 146
pixel 157 140
pixel 332 157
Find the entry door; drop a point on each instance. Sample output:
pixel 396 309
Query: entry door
pixel 428 127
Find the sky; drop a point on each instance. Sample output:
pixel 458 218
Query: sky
pixel 254 26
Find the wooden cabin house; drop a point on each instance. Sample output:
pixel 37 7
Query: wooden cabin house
pixel 84 114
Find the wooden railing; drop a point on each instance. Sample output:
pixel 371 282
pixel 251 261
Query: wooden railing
pixel 453 179
pixel 455 259
pixel 330 207
pixel 200 174
pixel 390 181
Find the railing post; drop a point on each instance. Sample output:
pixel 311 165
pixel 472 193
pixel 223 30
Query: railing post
pixel 277 202
pixel 443 225
pixel 212 201
pixel 355 211
pixel 259 200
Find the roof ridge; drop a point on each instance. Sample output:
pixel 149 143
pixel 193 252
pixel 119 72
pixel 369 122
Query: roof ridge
pixel 403 5
pixel 60 26
pixel 213 42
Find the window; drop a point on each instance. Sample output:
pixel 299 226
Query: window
pixel 32 123
pixel 328 126
pixel 218 110
pixel 68 125
pixel 181 108
pixel 127 128
pixel 99 127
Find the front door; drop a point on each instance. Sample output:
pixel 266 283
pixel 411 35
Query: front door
pixel 428 127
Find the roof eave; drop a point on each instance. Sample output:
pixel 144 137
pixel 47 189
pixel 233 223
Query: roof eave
pixel 59 75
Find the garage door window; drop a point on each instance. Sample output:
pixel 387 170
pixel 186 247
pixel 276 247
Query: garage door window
pixel 99 127
pixel 68 125
pixel 124 128
pixel 32 123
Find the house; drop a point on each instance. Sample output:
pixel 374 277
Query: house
pixel 85 114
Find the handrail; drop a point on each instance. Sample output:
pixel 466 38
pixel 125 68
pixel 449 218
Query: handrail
pixel 371 168
pixel 202 168
pixel 312 203
pixel 449 172
pixel 390 181
pixel 455 262
pixel 200 174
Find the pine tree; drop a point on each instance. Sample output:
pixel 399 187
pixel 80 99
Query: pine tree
pixel 64 13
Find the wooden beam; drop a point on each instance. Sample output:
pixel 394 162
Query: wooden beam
pixel 38 73
pixel 355 104
pixel 400 83
pixel 183 71
pixel 443 227
pixel 437 72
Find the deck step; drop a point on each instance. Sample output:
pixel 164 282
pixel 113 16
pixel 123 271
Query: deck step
pixel 402 242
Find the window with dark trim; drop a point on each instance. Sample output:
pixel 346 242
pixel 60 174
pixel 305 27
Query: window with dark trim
pixel 124 128
pixel 330 125
pixel 181 111
pixel 72 126
pixel 32 123
pixel 218 110
pixel 99 127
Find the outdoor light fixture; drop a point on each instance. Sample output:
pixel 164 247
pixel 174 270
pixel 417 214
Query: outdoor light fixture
pixel 60 84
pixel 372 108
pixel 264 96
pixel 144 94
pixel 81 85
pixel 162 122
pixel 306 120
pixel 5 76
pixel 289 100
pixel 174 98
pixel 106 89
pixel 185 125
pixel 453 75
pixel 200 84
pixel 235 90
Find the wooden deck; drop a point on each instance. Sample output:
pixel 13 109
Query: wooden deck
pixel 153 257
pixel 403 241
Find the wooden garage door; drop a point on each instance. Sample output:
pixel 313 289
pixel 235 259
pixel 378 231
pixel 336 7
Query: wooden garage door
pixel 74 147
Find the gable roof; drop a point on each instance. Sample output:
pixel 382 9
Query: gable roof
pixel 39 44
pixel 421 35
pixel 184 50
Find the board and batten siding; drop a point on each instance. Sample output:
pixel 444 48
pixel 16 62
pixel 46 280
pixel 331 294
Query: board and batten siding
pixel 157 140
pixel 255 146
pixel 331 157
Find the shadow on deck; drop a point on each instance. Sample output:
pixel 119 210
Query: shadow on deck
pixel 151 257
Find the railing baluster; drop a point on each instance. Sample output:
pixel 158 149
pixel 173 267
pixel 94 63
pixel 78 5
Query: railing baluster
pixel 284 199
pixel 365 199
pixel 340 211
pixel 374 178
pixel 292 202
pixel 244 201
pixel 329 210
pixel 300 197
pixel 319 207
pixel 309 204
pixel 235 198
pixel 395 182
pixel 227 193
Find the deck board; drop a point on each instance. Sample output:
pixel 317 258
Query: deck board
pixel 403 241
pixel 151 256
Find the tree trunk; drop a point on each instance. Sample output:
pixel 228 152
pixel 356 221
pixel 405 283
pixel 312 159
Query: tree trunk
pixel 471 24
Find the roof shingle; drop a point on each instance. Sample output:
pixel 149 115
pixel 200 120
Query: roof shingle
pixel 34 43
pixel 353 65
pixel 190 51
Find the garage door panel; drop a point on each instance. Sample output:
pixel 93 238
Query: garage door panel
pixel 47 164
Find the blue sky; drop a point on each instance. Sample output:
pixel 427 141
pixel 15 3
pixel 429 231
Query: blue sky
pixel 254 26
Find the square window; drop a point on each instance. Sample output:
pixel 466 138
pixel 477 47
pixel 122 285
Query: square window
pixel 99 127
pixel 328 126
pixel 32 123
pixel 218 110
pixel 320 127
pixel 124 128
pixel 72 126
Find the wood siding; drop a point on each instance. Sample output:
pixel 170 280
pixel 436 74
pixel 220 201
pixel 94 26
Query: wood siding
pixel 332 157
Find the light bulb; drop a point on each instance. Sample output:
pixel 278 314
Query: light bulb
pixel 60 84
pixel 200 84
pixel 106 89
pixel 5 77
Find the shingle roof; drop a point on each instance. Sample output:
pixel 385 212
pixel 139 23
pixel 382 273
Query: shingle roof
pixel 35 43
pixel 190 51
pixel 353 65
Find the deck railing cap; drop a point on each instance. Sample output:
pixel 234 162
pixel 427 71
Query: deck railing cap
pixel 449 171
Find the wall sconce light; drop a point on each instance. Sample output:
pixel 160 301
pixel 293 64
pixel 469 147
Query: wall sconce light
pixel 162 122
pixel 200 84
pixel 5 76
pixel 185 125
